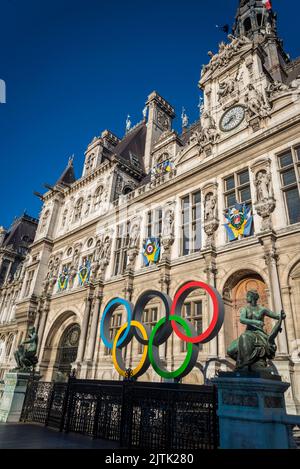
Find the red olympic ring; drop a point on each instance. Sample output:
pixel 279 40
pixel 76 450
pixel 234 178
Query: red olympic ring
pixel 218 312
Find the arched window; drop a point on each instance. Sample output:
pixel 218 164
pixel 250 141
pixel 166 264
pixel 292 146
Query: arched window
pixel 247 25
pixel 78 209
pixel 98 197
pixel 127 190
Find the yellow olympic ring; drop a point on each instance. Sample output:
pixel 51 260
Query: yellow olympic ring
pixel 115 350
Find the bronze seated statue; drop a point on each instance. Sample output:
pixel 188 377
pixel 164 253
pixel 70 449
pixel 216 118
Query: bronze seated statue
pixel 253 350
pixel 25 355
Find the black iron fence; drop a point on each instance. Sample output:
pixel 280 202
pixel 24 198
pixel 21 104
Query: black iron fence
pixel 135 414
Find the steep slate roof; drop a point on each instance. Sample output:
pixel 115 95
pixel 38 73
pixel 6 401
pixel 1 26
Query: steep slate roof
pixel 68 175
pixel 133 144
pixel 22 232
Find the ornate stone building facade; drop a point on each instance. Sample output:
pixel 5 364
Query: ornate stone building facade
pixel 154 182
pixel 14 247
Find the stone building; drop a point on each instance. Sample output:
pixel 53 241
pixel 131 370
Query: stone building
pixel 14 246
pixel 182 189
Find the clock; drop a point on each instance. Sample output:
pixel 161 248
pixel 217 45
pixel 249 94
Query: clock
pixel 232 118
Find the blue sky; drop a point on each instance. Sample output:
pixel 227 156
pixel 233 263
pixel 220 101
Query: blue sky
pixel 75 68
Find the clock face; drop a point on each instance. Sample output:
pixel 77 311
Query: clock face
pixel 232 118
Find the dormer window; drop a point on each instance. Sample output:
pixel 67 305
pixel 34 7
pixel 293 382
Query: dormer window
pixel 134 160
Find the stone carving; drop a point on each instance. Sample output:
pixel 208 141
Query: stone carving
pixel 134 240
pixel 264 189
pixel 168 230
pixel 254 348
pixel 210 134
pixel 88 205
pixel 25 355
pixel 211 222
pixel 265 201
pixel 210 206
pixel 276 87
pixel 105 254
pixel 226 53
pixel 128 124
pixel 257 105
pixel 295 83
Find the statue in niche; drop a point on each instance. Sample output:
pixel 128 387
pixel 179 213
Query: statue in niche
pixel 254 348
pixel 210 207
pixel 168 227
pixel 25 355
pixel 264 190
pixel 134 235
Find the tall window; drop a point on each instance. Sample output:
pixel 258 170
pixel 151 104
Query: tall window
pixel 154 223
pixel 193 312
pixel 191 223
pixel 149 318
pixel 98 197
pixel 29 282
pixel 237 190
pixel 121 249
pixel 115 325
pixel 78 209
pixel 289 164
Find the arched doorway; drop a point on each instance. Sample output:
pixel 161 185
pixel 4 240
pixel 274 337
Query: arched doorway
pixel 67 351
pixel 234 295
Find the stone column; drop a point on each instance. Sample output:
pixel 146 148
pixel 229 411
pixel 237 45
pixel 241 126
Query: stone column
pixel 290 318
pixel 94 329
pixel 84 328
pixel 270 258
pixel 41 329
pixel 210 272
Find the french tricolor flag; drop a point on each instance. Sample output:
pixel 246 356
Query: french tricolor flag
pixel 267 4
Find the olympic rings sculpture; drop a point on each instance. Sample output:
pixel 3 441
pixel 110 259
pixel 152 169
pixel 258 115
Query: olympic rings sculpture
pixel 152 340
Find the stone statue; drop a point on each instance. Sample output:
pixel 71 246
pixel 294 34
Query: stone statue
pixel 255 347
pixel 168 227
pixel 134 235
pixel 209 130
pixel 263 186
pixel 184 119
pixel 128 124
pixel 210 206
pixel 257 107
pixel 25 356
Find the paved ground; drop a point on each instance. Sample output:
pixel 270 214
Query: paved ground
pixel 22 435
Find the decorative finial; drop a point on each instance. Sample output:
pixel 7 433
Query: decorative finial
pixel 184 119
pixel 71 159
pixel 200 105
pixel 145 110
pixel 128 124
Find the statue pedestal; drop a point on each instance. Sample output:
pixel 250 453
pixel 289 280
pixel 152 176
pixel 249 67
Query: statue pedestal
pixel 251 410
pixel 11 404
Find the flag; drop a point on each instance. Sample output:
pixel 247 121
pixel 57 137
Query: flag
pixel 267 4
